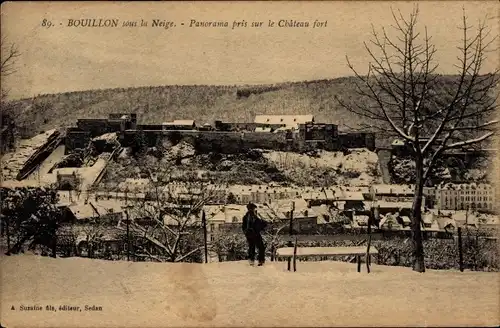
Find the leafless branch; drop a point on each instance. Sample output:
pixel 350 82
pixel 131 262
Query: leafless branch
pixel 10 53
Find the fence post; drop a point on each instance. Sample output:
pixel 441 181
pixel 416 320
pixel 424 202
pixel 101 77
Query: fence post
pixel 290 233
pixel 128 235
pixel 368 259
pixel 8 233
pixel 295 256
pixel 460 254
pixel 204 222
pixel 476 251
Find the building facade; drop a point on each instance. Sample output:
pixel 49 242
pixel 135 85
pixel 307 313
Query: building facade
pixel 467 196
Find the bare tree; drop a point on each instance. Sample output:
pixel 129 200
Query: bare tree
pixel 9 55
pixel 167 223
pixel 93 232
pixel 402 94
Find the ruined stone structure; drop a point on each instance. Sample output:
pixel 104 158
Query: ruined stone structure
pixel 287 133
pixel 86 129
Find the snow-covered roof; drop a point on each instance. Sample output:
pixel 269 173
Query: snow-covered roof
pixel 428 217
pixel 83 211
pixel 180 123
pixel 361 219
pixel 389 219
pixel 405 219
pixel 287 120
pixel 386 204
pixel 392 189
pixel 462 186
pixel 106 136
pixel 337 194
pixel 444 222
pixel 112 194
pixel 259 129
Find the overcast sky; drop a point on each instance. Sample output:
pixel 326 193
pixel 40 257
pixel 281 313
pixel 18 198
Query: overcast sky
pixel 61 58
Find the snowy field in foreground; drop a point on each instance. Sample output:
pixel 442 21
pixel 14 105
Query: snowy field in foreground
pixel 234 294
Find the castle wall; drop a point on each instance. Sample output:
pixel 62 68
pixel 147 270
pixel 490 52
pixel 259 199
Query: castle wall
pixel 228 137
pixel 116 125
pixel 96 127
pixel 131 123
pixel 76 139
pixel 233 141
pixel 231 126
pixel 207 141
pixel 150 127
pixel 357 140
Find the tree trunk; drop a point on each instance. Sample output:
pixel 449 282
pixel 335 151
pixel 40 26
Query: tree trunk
pixel 54 246
pixel 8 234
pixel 416 219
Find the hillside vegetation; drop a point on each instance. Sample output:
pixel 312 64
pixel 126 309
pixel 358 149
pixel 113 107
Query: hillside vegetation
pixel 200 102
pixel 356 167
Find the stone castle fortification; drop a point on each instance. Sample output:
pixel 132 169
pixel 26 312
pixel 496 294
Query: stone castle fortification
pixel 287 132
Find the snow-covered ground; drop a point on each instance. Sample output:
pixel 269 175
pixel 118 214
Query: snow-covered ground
pixel 47 165
pixel 358 160
pixel 234 294
pixel 13 162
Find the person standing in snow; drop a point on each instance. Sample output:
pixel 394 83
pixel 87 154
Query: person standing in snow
pixel 252 227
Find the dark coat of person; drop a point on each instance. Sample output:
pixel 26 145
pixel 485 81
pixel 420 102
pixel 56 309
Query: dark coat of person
pixel 252 224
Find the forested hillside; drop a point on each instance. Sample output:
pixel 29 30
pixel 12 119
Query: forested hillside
pixel 202 103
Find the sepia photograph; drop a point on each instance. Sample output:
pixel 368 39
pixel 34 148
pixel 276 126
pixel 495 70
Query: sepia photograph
pixel 250 164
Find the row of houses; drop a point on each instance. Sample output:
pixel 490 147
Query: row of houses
pixel 307 218
pixel 483 197
pixel 104 217
pixel 317 219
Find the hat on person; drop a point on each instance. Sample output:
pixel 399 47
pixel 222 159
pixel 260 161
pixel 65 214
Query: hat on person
pixel 251 206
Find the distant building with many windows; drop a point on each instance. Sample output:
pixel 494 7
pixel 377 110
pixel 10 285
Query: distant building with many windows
pixel 478 196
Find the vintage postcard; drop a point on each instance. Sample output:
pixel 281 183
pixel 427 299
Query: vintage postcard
pixel 249 164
